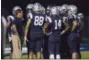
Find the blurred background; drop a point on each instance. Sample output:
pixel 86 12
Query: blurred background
pixel 83 6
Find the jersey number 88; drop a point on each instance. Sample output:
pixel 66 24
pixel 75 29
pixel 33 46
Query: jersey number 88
pixel 39 20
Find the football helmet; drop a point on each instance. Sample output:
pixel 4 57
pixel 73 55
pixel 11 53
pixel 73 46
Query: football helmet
pixel 43 9
pixel 80 15
pixel 48 9
pixel 29 7
pixel 72 9
pixel 54 10
pixel 14 10
pixel 37 7
pixel 64 9
pixel 58 7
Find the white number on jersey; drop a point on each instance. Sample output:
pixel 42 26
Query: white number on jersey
pixel 39 20
pixel 58 24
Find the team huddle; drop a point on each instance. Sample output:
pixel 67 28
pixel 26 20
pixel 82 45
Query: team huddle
pixel 57 23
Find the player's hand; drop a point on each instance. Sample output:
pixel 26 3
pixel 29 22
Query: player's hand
pixel 10 38
pixel 62 32
pixel 25 38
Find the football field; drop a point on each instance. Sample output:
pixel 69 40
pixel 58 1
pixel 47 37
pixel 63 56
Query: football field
pixel 84 52
pixel 84 55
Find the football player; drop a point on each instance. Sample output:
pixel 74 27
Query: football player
pixel 17 31
pixel 55 23
pixel 73 36
pixel 34 28
pixel 64 49
pixel 28 12
pixel 46 36
pixel 80 17
pixel 10 18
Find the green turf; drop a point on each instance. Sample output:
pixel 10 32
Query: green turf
pixel 84 55
pixel 23 57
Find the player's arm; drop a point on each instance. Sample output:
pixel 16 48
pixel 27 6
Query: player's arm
pixel 29 16
pixel 81 25
pixel 13 27
pixel 27 27
pixel 8 26
pixel 15 32
pixel 74 25
pixel 47 21
pixel 66 28
pixel 45 28
pixel 9 34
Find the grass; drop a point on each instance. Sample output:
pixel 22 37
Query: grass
pixel 84 54
pixel 23 57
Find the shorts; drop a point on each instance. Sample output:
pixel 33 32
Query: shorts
pixel 74 42
pixel 35 45
pixel 53 47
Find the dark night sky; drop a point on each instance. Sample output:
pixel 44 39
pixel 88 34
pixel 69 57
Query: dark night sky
pixel 83 5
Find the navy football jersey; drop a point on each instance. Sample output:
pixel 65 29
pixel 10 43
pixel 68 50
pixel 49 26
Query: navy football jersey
pixel 37 23
pixel 72 18
pixel 55 23
pixel 65 20
pixel 19 25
